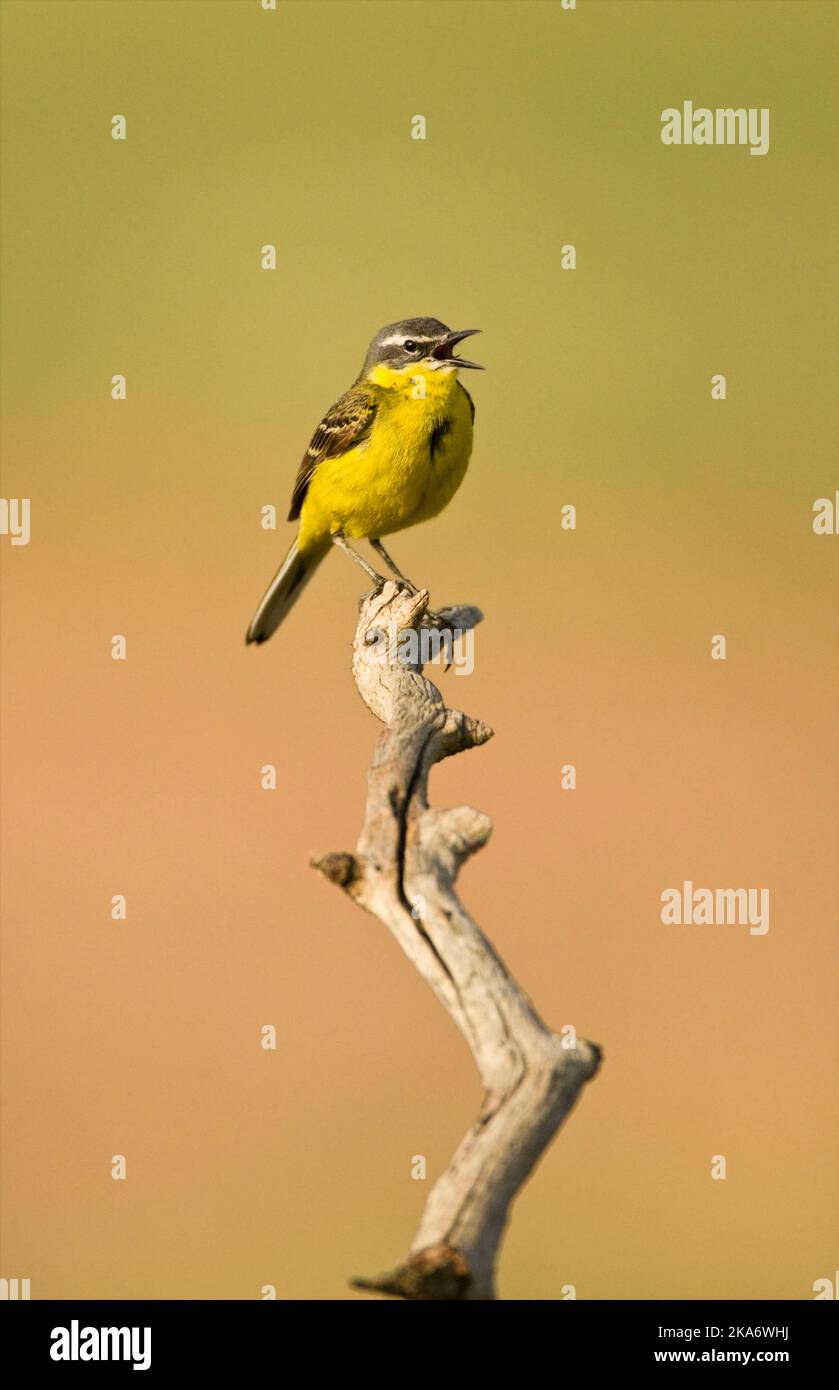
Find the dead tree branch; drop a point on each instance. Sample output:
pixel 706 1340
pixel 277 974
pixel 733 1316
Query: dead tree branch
pixel 403 872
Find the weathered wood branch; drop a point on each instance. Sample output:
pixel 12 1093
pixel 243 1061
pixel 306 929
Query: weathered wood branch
pixel 403 872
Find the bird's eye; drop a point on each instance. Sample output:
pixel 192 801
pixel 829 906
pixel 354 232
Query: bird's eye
pixel 410 346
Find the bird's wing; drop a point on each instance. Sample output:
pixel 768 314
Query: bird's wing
pixel 346 424
pixel 469 399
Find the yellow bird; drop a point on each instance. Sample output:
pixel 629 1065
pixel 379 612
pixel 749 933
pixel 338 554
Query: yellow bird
pixel 391 452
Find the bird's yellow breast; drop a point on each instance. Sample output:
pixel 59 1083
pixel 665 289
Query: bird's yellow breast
pixel 408 468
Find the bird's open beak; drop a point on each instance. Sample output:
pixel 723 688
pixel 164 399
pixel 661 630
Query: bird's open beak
pixel 444 351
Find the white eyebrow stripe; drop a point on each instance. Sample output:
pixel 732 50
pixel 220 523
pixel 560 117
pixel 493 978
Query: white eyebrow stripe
pixel 403 338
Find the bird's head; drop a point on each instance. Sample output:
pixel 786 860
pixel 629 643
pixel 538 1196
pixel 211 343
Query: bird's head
pixel 416 345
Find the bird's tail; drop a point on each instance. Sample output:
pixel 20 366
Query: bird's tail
pixel 284 590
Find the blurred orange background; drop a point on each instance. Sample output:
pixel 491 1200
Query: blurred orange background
pixel 142 777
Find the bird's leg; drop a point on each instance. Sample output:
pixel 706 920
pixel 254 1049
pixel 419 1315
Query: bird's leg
pixel 392 566
pixel 430 618
pixel 340 540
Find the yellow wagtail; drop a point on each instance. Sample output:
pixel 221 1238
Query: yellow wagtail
pixel 391 452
